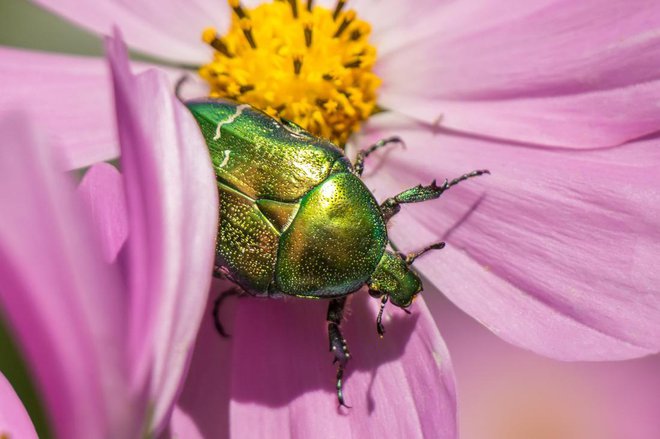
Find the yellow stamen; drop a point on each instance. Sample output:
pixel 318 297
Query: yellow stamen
pixel 297 64
pixel 294 7
pixel 210 37
pixel 246 26
pixel 238 9
pixel 348 18
pixel 307 28
pixel 338 8
pixel 301 62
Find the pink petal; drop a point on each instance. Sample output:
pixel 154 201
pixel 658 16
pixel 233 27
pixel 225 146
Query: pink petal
pixel 173 208
pixel 554 72
pixel 171 30
pixel 507 392
pixel 102 192
pixel 182 425
pixel 68 97
pixel 556 251
pixel 14 420
pixel 203 407
pixel 61 299
pixel 395 24
pixel 283 379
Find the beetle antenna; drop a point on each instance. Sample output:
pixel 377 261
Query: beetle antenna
pixel 412 256
pixel 179 86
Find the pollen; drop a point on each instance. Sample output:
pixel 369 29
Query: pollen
pixel 298 61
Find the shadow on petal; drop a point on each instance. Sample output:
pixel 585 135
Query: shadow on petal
pixel 294 344
pixel 203 406
pixel 283 381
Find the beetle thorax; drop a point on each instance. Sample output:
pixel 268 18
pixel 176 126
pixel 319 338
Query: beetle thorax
pixel 305 63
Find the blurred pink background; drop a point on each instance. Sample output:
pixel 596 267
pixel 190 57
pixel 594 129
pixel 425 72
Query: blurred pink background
pixel 508 393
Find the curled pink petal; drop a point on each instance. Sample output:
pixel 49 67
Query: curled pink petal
pixel 553 72
pixel 102 192
pixel 62 301
pixel 14 419
pixel 68 98
pixel 172 215
pixel 170 30
pixel 283 379
pixel 555 251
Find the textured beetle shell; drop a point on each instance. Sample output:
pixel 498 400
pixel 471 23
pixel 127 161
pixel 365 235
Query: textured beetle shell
pixel 294 219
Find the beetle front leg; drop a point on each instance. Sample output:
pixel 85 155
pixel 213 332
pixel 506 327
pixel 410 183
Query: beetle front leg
pixel 419 193
pixel 363 154
pixel 338 345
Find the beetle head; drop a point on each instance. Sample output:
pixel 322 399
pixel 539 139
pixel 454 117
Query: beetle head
pixel 394 277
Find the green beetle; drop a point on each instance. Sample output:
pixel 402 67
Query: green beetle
pixel 297 220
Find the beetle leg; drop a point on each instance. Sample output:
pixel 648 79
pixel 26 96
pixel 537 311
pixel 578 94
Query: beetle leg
pixel 379 320
pixel 338 345
pixel 410 257
pixel 392 206
pixel 216 310
pixel 363 154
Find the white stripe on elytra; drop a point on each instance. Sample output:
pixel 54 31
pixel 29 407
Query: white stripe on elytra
pixel 229 120
pixel 225 160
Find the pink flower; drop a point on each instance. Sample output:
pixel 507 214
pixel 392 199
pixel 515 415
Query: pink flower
pixel 554 252
pixel 152 128
pixel 108 337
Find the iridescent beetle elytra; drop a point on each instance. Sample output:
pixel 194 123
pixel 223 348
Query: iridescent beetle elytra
pixel 297 220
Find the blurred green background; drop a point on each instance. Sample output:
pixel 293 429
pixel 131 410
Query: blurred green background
pixel 23 24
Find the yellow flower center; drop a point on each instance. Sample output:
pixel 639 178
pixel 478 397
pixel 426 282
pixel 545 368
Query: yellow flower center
pixel 301 62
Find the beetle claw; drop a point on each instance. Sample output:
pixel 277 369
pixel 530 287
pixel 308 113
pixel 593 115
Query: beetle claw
pixel 216 311
pixel 340 390
pixel 380 329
